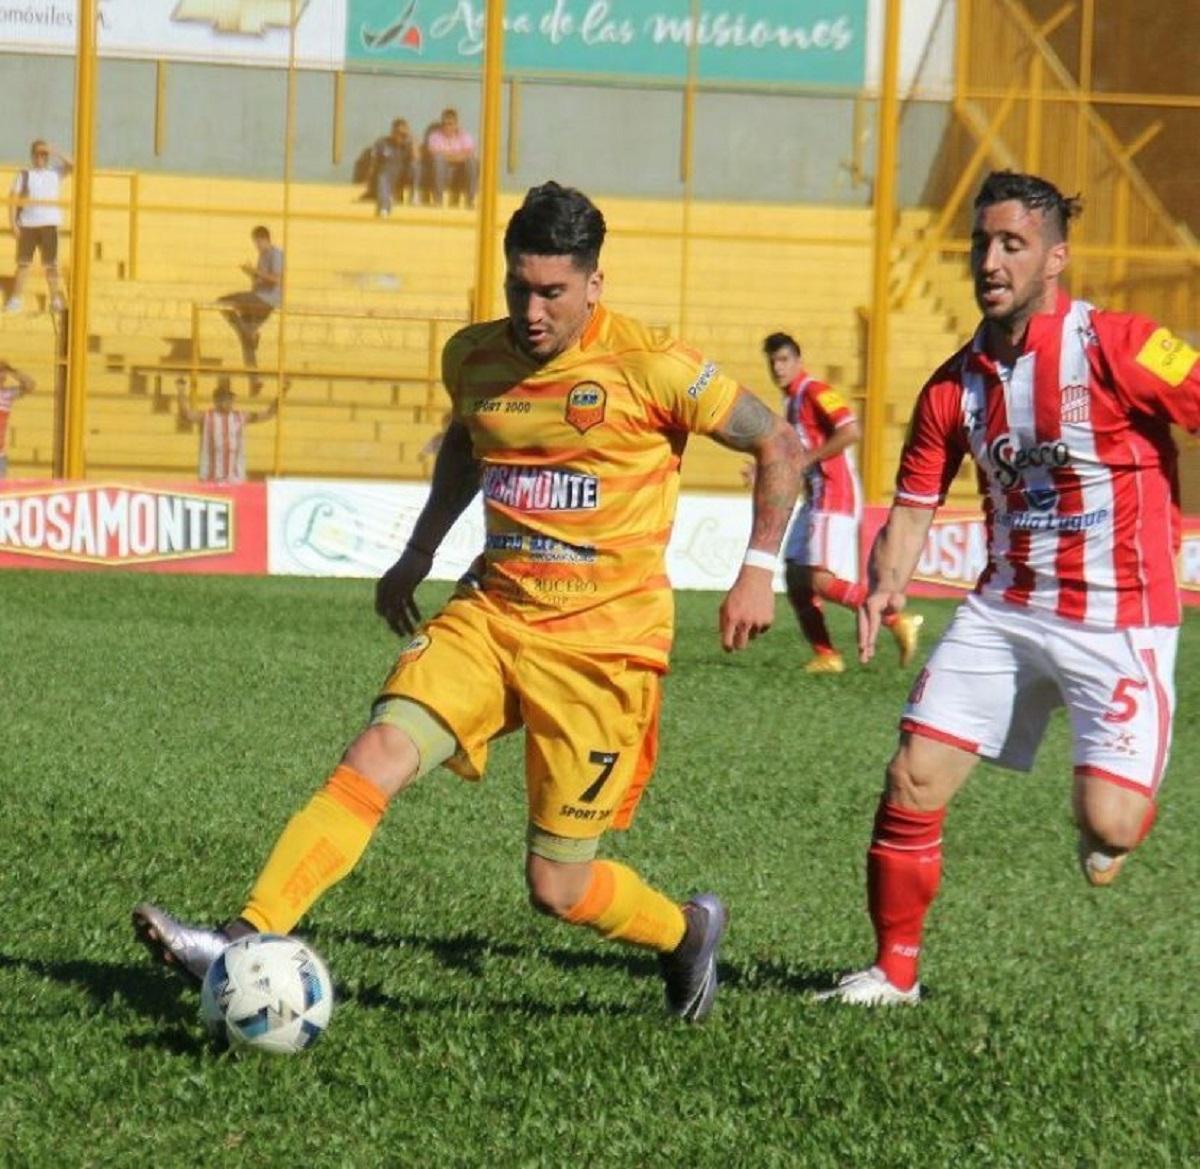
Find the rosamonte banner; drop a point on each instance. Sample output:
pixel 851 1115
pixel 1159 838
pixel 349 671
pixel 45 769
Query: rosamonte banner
pixel 241 32
pixel 191 527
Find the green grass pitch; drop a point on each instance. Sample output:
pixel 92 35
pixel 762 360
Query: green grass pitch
pixel 157 731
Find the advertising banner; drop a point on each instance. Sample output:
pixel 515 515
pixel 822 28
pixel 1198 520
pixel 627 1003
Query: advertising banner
pixel 188 528
pixel 242 32
pixel 321 528
pixel 796 42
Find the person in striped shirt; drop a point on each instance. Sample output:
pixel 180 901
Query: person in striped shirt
pixel 572 422
pixel 821 550
pixel 222 431
pixel 1066 410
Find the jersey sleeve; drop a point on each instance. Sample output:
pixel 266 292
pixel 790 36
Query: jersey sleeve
pixel 934 448
pixel 832 409
pixel 1153 371
pixel 688 390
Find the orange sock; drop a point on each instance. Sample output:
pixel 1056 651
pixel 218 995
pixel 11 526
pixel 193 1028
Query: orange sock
pixel 621 906
pixel 319 846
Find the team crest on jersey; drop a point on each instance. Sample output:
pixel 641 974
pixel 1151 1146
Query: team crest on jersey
pixel 585 405
pixel 414 649
pixel 1076 404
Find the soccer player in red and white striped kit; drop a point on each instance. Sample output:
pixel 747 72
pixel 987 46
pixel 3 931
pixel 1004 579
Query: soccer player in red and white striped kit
pixel 1066 410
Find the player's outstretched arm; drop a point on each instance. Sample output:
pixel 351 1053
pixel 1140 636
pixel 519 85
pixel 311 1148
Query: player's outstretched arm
pixel 779 463
pixel 894 557
pixel 455 482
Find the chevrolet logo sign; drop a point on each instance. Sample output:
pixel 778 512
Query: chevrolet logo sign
pixel 247 17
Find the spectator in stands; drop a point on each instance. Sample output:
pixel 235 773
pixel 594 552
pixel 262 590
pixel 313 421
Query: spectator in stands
pixel 34 215
pixel 451 165
pixel 393 164
pixel 247 311
pixel 13 385
pixel 222 433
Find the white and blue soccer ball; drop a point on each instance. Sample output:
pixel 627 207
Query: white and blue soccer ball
pixel 267 992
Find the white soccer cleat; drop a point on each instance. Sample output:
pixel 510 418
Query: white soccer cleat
pixel 870 988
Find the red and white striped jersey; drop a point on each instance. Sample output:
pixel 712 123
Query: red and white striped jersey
pixel 815 410
pixel 1075 461
pixel 223 447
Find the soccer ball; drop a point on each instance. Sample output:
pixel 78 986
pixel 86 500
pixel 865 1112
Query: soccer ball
pixel 267 992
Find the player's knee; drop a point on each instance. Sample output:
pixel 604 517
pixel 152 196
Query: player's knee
pixel 1116 827
pixel 910 785
pixel 385 756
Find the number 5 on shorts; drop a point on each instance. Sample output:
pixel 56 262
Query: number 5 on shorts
pixel 607 761
pixel 1124 704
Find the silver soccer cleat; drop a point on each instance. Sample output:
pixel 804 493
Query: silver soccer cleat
pixel 690 972
pixel 870 988
pixel 190 949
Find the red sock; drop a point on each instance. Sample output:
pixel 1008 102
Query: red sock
pixel 904 868
pixel 845 592
pixel 812 624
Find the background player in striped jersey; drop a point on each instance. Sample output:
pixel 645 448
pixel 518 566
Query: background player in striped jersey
pixel 573 421
pixel 1066 410
pixel 821 550
pixel 222 432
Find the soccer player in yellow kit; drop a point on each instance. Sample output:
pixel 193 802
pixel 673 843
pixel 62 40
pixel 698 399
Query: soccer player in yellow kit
pixel 572 421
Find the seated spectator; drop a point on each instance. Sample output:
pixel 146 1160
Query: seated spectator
pixel 13 385
pixel 247 311
pixel 451 165
pixel 393 167
pixel 222 431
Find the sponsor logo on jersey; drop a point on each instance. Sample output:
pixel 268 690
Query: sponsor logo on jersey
pixel 701 383
pixel 544 548
pixel 1041 498
pixel 1009 462
pixel 1030 521
pixel 115 525
pixel 1167 356
pixel 541 489
pixel 1076 404
pixel 585 405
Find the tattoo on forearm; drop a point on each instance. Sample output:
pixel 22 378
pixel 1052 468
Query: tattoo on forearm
pixel 775 489
pixel 749 422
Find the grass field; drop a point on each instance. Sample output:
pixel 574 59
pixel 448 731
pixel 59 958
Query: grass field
pixel 158 731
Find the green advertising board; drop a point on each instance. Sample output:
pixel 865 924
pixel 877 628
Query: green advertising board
pixel 778 42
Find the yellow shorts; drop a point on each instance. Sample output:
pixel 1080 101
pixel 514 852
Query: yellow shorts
pixel 591 723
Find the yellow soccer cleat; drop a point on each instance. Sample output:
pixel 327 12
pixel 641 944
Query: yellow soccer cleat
pixel 826 664
pixel 906 629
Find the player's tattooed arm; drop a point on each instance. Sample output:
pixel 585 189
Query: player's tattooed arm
pixel 779 463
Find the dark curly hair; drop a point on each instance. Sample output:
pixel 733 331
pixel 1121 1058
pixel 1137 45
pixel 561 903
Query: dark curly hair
pixel 556 221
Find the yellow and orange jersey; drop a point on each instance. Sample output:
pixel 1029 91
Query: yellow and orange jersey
pixel 580 478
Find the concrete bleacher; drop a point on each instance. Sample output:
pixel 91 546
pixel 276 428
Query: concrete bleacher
pixel 357 352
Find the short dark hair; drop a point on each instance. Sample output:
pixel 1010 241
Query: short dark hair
pixel 1032 192
pixel 260 232
pixel 557 221
pixel 780 341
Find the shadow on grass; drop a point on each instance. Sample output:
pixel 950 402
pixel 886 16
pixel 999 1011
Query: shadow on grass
pixel 153 994
pixel 466 953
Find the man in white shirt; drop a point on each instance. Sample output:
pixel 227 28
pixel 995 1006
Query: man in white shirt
pixel 35 216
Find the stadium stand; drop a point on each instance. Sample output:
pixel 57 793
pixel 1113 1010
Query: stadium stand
pixel 370 304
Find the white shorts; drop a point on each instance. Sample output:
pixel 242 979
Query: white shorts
pixel 824 539
pixel 999 670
